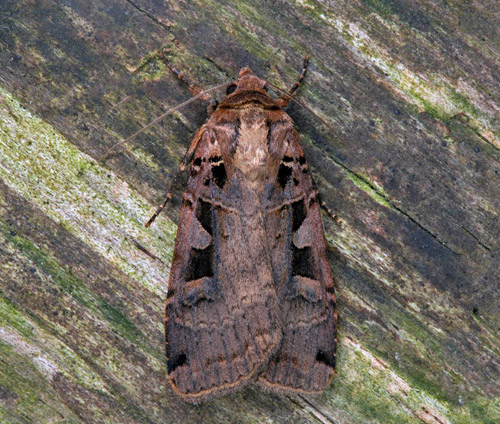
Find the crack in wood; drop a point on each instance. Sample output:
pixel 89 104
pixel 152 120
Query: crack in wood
pixel 477 239
pixel 388 200
pixel 312 409
pixel 478 133
pixel 149 15
pixel 222 71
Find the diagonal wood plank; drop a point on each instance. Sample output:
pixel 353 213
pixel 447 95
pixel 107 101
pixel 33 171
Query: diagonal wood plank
pixel 411 168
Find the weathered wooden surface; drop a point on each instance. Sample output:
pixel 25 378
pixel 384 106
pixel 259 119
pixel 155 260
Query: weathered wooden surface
pixel 412 169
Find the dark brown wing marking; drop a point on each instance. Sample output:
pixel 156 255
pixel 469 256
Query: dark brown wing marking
pixel 222 321
pixel 303 280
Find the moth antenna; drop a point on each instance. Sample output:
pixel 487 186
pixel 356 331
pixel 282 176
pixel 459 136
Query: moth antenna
pixel 168 112
pixel 195 89
pixel 290 97
pixel 124 100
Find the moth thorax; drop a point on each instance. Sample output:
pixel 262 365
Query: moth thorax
pixel 252 154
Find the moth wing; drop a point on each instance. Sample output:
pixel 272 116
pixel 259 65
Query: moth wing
pixel 222 323
pixel 303 279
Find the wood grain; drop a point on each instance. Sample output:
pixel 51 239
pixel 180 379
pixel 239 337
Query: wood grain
pixel 411 168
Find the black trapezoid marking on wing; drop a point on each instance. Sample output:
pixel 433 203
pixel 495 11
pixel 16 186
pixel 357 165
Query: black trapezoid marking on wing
pixel 200 263
pixel 204 215
pixel 219 174
pixel 176 361
pixel 302 263
pixel 284 174
pixel 326 358
pixel 298 214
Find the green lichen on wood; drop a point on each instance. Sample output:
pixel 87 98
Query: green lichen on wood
pixel 77 192
pixel 371 390
pixel 435 94
pixel 28 394
pixel 419 382
pixel 43 342
pixel 40 347
pixel 72 286
pixel 419 360
pixel 369 187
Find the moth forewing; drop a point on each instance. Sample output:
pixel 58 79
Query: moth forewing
pixel 250 296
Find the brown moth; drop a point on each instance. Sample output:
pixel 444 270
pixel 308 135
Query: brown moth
pixel 251 296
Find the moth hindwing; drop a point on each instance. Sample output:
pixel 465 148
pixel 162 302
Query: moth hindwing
pixel 250 297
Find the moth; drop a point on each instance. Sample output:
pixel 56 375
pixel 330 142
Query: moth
pixel 251 295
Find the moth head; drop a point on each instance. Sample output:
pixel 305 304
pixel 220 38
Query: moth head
pixel 247 81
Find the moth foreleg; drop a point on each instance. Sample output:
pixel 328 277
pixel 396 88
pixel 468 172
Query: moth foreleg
pixel 173 183
pixel 286 99
pixel 188 156
pixel 330 213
